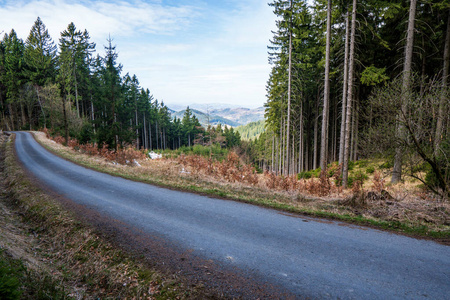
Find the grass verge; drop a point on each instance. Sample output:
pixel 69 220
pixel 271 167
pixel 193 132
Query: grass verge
pixel 47 254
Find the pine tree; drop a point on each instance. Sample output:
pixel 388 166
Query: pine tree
pixel 76 52
pixel 40 55
pixel 112 95
pixel 12 76
pixel 40 59
pixel 188 125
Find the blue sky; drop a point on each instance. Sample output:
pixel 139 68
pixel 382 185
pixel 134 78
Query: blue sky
pixel 196 51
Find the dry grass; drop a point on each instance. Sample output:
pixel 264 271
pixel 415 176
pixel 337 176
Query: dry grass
pixel 52 244
pixel 374 199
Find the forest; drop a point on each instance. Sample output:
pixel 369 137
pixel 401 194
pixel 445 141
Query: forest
pixel 70 91
pixel 349 80
pixel 359 79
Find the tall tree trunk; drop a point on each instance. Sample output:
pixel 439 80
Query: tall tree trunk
pixel 335 132
pixel 300 142
pixel 164 137
pixel 92 114
pixel 316 130
pixel 344 90
pixel 283 148
pixel 145 135
pixel 273 150
pixel 352 130
pixel 76 89
pixel 326 96
pixel 11 116
pixel 156 135
pixel 307 158
pixel 349 98
pixel 40 104
pixel 355 125
pixel 406 83
pixel 66 123
pixel 22 115
pixel 444 101
pixel 276 154
pixel 150 135
pixel 115 130
pixel 137 130
pixel 288 121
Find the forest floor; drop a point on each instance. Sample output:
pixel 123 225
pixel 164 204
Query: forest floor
pixel 405 208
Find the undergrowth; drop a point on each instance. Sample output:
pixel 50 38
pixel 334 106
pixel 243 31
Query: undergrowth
pixel 126 155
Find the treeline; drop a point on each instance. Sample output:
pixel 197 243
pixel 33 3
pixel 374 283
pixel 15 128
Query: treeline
pixel 336 68
pixel 251 130
pixel 73 92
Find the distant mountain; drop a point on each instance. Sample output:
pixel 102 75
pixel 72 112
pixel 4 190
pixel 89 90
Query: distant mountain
pixel 224 114
pixel 202 107
pixel 240 115
pixel 203 118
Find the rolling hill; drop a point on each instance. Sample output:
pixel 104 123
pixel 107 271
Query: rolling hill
pixel 222 113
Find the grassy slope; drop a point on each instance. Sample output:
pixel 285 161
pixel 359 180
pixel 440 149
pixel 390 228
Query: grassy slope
pixel 63 258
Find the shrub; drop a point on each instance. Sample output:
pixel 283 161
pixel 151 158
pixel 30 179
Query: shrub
pixel 304 175
pixel 424 167
pixel 350 180
pixel 351 165
pixel 325 185
pixel 363 163
pixel 9 282
pixel 387 165
pixel 361 176
pixel 370 170
pixel 431 178
pixel 378 182
pixel 333 168
pixel 309 174
pixel 216 150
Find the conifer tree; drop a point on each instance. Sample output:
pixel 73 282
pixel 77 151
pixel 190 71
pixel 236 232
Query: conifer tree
pixel 12 77
pixel 75 55
pixel 40 55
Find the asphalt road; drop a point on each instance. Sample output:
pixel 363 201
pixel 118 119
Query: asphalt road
pixel 303 256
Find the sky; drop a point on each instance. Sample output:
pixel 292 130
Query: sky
pixel 183 51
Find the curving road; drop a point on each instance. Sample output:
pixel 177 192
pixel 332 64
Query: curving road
pixel 306 257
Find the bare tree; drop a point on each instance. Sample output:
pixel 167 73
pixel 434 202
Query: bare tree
pixel 349 98
pixel 288 121
pixel 326 95
pixel 406 82
pixel 344 90
pixel 444 101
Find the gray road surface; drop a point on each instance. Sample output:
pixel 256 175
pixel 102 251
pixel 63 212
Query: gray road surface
pixel 307 257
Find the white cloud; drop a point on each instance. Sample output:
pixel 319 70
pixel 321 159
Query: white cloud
pixel 201 52
pixel 100 18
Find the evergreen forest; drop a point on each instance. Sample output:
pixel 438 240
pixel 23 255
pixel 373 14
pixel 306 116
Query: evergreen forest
pixel 70 90
pixel 358 79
